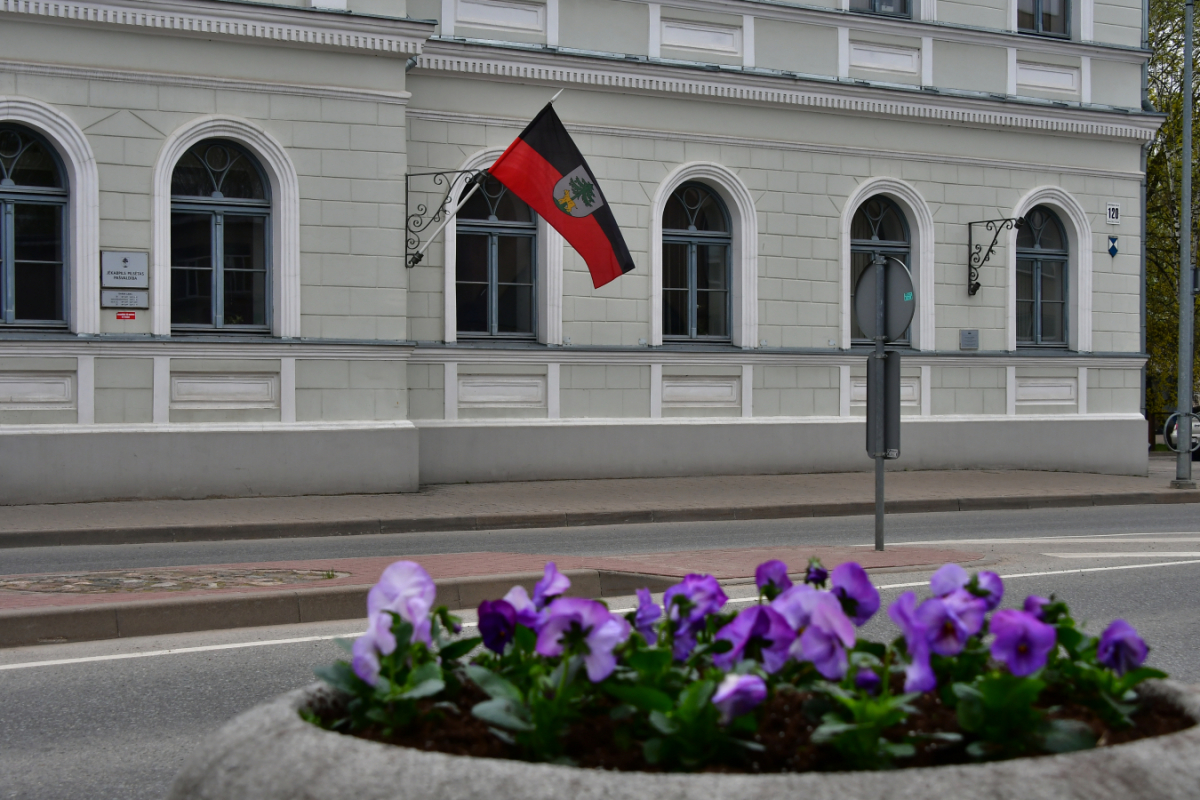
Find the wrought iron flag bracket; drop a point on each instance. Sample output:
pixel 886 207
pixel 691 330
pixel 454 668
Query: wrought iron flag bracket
pixel 977 257
pixel 422 216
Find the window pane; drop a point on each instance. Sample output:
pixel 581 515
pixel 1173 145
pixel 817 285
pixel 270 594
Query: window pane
pixel 675 312
pixel 1024 320
pixel 712 314
pixel 472 303
pixel 471 261
pixel 245 270
pixel 1024 280
pixel 514 308
pixel 1052 322
pixel 1026 21
pixel 245 297
pixel 27 161
pixel 190 178
pixel 38 268
pixel 712 266
pixel 694 208
pixel 859 261
pixel 191 269
pixel 217 169
pixel 1054 16
pixel 860 5
pixel 245 242
pixel 493 201
pixel 892 7
pixel 39 292
pixel 514 259
pixel 675 265
pixel 880 220
pixel 1052 281
pixel 38 232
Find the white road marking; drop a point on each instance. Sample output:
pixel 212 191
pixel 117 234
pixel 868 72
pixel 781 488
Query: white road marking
pixel 301 639
pixel 1150 554
pixel 1088 537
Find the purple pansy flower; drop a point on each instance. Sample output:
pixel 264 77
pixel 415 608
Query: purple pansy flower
pixel 1120 648
pixel 796 605
pixel 552 584
pixel 868 680
pixel 828 635
pixel 497 624
pixel 761 627
pixel 816 575
pixel 405 589
pixel 918 676
pixel 648 612
pixel 703 596
pixel 1022 641
pixel 771 577
pixel 377 640
pixel 738 694
pixel 967 609
pixel 948 578
pixel 991 583
pixel 1036 605
pixel 527 613
pixel 854 590
pixel 601 632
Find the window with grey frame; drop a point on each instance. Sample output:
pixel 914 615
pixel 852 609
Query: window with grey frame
pixel 887 8
pixel 697 247
pixel 1042 256
pixel 1044 17
pixel 220 241
pixel 33 210
pixel 496 265
pixel 878 227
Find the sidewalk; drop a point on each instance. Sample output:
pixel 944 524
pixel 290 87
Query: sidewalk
pixel 571 503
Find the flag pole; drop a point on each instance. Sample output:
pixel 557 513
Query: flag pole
pixel 446 221
pixel 556 94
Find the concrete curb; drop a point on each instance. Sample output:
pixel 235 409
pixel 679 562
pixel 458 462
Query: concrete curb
pixel 308 529
pixel 120 620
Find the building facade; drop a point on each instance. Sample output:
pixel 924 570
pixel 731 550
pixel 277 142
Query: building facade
pixel 209 212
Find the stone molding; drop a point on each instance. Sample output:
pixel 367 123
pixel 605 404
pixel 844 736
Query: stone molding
pixel 285 223
pixel 295 27
pixel 525 65
pixel 83 177
pixel 188 347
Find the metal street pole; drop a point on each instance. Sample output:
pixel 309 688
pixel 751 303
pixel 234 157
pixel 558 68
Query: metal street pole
pixel 1183 429
pixel 880 412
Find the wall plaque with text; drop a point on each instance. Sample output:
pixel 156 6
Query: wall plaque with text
pixel 110 298
pixel 124 270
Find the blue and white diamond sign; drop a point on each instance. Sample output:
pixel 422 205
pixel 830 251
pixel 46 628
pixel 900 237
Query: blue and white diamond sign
pixel 1112 246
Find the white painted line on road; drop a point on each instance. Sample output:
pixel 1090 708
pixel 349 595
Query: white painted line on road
pixel 1082 537
pixel 1124 555
pixel 301 639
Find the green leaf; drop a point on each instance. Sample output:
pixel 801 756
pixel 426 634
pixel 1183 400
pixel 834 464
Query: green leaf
pixel 345 644
pixel 494 685
pixel 830 730
pixel 502 714
pixel 1067 736
pixel 1135 676
pixel 644 697
pixel 341 676
pixel 526 639
pixel 424 689
pixel 662 723
pixel 902 750
pixel 650 662
pixel 456 650
pixel 652 750
pixel 693 699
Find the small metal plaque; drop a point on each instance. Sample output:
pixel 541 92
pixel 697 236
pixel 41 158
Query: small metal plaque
pixel 1113 215
pixel 124 270
pixel 968 340
pixel 122 299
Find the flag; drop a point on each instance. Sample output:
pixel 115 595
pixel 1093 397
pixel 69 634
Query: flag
pixel 544 168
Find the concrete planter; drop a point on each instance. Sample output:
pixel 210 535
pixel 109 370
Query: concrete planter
pixel 269 753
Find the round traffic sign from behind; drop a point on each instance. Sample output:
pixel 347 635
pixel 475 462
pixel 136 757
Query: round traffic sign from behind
pixel 898 300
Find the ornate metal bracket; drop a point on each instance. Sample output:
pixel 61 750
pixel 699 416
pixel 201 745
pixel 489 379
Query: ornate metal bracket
pixel 421 216
pixel 977 257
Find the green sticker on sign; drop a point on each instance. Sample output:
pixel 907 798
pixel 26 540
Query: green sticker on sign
pixel 908 297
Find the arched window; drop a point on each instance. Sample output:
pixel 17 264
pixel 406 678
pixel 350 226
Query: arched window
pixel 220 240
pixel 1042 252
pixel 495 264
pixel 33 209
pixel 878 227
pixel 696 267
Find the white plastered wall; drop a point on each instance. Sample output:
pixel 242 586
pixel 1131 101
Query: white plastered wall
pixel 83 245
pixel 285 218
pixel 744 224
pixel 920 223
pixel 1079 265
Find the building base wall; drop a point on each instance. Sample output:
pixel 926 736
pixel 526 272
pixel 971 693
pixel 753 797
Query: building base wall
pixel 583 449
pixel 40 464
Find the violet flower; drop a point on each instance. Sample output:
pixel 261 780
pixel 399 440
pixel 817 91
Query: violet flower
pixel 918 675
pixel 991 584
pixel 868 680
pixel 758 628
pixel 969 611
pixel 1022 642
pixel 856 593
pixel 687 605
pixel 771 577
pixel 948 578
pixel 527 613
pixel 497 624
pixel 405 589
pixel 552 584
pixel 587 625
pixel 377 640
pixel 1120 648
pixel 828 635
pixel 648 612
pixel 796 605
pixel 1037 606
pixel 738 694
pixel 816 575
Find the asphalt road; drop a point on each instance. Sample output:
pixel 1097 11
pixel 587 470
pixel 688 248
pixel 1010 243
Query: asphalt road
pixel 115 726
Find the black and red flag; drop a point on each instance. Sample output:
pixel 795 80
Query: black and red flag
pixel 544 168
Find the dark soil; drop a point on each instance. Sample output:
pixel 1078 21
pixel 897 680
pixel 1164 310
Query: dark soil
pixel 787 721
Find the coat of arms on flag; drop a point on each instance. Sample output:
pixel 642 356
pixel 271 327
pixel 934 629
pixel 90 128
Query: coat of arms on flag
pixel 544 168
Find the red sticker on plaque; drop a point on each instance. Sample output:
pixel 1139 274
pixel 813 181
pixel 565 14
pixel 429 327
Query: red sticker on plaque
pixel 126 315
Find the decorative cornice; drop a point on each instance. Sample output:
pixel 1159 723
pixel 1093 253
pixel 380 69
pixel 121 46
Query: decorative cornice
pixel 743 141
pixel 184 348
pixel 203 82
pixel 297 27
pixel 527 65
